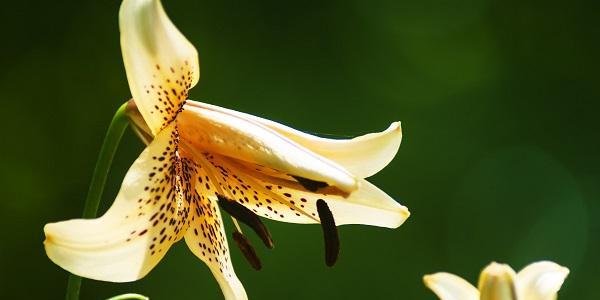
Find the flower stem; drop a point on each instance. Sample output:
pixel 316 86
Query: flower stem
pixel 107 152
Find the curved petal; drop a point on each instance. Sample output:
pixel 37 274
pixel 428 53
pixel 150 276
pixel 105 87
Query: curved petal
pixel 541 280
pixel 161 64
pixel 206 238
pixel 497 282
pixel 148 215
pixel 362 156
pixel 450 287
pixel 368 205
pixel 249 141
pixel 287 200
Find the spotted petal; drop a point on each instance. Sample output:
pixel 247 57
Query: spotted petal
pixel 249 141
pixel 206 238
pixel 451 287
pixel 541 280
pixel 161 64
pixel 362 156
pixel 280 197
pixel 147 217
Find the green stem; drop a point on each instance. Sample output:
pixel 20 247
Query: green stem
pixel 107 153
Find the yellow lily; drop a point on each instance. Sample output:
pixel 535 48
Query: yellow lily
pixel 201 156
pixel 537 281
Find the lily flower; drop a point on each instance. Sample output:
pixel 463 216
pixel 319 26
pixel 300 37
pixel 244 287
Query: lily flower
pixel 537 281
pixel 200 157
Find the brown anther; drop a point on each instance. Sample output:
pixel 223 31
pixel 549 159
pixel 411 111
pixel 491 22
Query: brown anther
pixel 330 233
pixel 309 184
pixel 249 253
pixel 246 216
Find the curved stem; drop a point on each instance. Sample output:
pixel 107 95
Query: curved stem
pixel 107 152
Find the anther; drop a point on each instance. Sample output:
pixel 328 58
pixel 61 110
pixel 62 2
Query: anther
pixel 246 216
pixel 309 184
pixel 249 253
pixel 330 233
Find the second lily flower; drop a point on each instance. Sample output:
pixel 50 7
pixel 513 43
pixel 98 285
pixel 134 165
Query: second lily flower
pixel 537 281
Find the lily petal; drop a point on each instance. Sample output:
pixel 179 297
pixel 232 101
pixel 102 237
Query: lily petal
pixel 206 238
pixel 363 156
pixel 246 140
pixel 541 280
pixel 287 200
pixel 161 64
pixel 497 282
pixel 450 287
pixel 148 215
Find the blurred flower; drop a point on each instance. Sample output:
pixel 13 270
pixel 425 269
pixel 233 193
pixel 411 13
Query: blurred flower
pixel 129 296
pixel 537 281
pixel 201 156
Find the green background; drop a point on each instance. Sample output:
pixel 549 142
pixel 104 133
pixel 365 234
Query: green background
pixel 499 161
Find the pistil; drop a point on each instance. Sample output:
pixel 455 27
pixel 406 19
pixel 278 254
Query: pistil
pixel 246 216
pixel 330 233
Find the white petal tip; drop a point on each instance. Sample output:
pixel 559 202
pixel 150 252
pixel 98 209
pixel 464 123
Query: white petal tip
pixel 432 279
pixel 396 126
pixel 543 279
pixel 550 267
pixel 428 279
pixel 403 215
pixel 495 269
pixel 393 218
pixel 450 287
pixel 78 252
pixel 395 133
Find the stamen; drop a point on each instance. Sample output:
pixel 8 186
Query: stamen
pixel 249 253
pixel 330 233
pixel 246 216
pixel 309 184
pixel 237 225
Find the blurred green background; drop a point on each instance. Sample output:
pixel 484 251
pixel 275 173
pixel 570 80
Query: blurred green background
pixel 499 162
